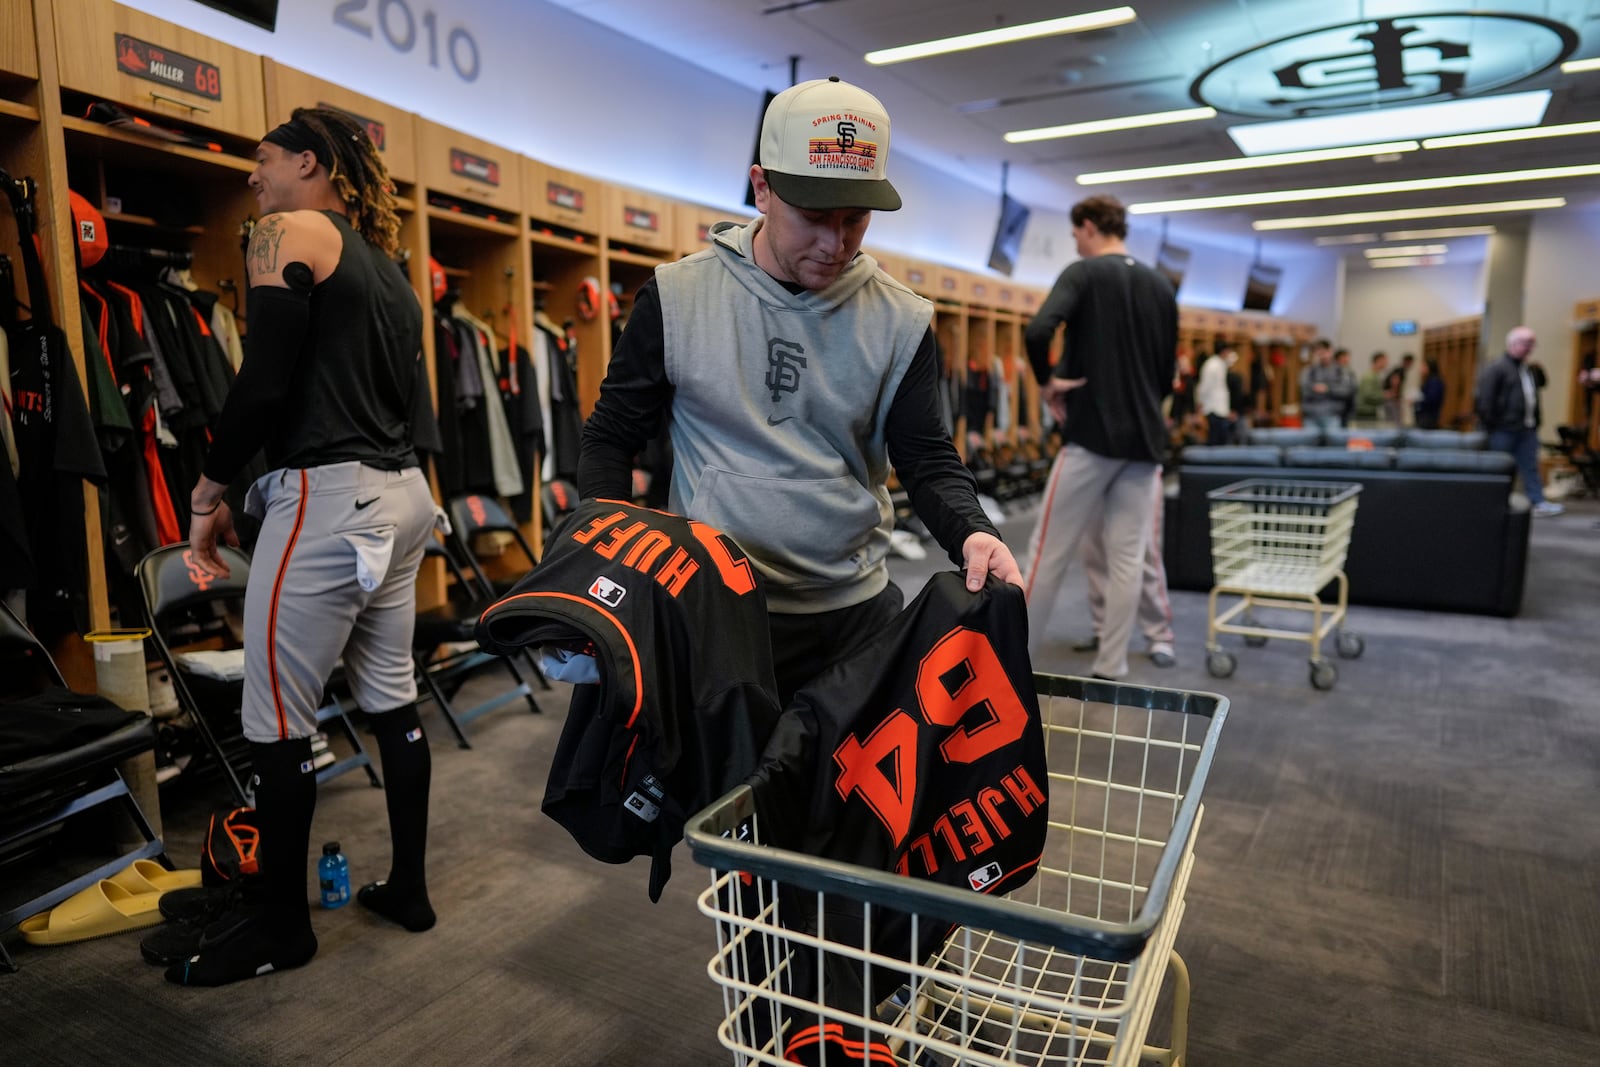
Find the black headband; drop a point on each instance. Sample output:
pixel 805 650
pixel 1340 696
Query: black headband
pixel 296 135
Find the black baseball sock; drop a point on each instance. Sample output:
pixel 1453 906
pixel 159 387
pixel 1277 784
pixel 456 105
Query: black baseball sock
pixel 407 771
pixel 280 936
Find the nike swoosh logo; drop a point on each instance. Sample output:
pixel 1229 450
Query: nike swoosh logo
pixel 363 503
pixel 778 422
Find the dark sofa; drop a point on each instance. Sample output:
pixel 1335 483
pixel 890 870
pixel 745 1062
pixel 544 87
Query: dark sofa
pixel 1438 526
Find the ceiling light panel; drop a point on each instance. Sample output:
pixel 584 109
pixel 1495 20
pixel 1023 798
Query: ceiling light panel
pixel 1407 261
pixel 1531 133
pixel 1405 250
pixel 1503 112
pixel 1580 66
pixel 1093 20
pixel 1347 239
pixel 1442 231
pixel 1218 166
pixel 1333 192
pixel 1127 122
pixel 1357 218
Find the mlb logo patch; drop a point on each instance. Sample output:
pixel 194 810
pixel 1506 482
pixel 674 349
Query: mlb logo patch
pixel 984 876
pixel 607 592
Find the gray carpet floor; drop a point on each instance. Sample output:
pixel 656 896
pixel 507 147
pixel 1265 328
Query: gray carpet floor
pixel 1402 871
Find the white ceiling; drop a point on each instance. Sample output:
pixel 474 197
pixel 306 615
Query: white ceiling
pixel 952 111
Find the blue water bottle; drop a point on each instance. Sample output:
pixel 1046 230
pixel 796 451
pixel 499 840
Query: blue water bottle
pixel 333 872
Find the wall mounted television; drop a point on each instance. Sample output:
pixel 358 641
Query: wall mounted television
pixel 1007 247
pixel 1261 287
pixel 1172 263
pixel 263 13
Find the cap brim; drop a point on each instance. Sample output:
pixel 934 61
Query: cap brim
pixel 811 193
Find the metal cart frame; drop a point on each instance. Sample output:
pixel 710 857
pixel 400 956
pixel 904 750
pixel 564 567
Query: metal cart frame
pixel 1277 544
pixel 1066 970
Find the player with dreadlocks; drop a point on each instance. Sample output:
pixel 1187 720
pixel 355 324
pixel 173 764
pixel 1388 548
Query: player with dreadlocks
pixel 326 389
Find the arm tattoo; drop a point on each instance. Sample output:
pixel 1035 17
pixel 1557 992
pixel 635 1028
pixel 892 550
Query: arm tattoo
pixel 262 256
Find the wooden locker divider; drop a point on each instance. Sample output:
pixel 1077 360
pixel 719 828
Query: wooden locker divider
pixel 565 227
pixel 157 194
pixel 466 175
pixel 209 84
pixel 392 129
pixel 695 222
pixel 1455 344
pixel 980 344
pixel 640 232
pixel 32 145
pixel 477 230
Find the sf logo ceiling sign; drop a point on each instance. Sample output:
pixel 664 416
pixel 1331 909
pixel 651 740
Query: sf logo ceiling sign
pixel 1406 59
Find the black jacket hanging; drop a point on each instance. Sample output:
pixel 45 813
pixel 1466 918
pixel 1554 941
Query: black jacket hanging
pixel 56 443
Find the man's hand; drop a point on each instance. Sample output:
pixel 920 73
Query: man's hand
pixel 207 530
pixel 983 554
pixel 1055 396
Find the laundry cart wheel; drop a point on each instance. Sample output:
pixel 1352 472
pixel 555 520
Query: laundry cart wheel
pixel 1349 644
pixel 1220 664
pixel 1323 674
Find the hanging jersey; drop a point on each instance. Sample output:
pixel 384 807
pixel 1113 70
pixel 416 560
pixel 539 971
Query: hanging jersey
pixel 922 754
pixel 686 700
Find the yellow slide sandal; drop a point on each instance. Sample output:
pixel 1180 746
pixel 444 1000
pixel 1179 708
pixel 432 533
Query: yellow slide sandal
pixel 104 908
pixel 148 876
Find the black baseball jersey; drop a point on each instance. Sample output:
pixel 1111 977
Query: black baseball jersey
pixel 687 699
pixel 922 753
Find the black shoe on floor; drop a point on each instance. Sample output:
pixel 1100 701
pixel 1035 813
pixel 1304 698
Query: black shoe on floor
pixel 251 951
pixel 197 905
pixel 1091 645
pixel 223 915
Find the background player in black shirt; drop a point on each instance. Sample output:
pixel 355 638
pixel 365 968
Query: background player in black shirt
pixel 1121 319
pixel 326 387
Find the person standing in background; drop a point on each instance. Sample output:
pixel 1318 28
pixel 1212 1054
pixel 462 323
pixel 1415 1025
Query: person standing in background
pixel 1214 397
pixel 1508 408
pixel 1369 410
pixel 1430 397
pixel 1396 392
pixel 1325 389
pixel 1341 359
pixel 1121 321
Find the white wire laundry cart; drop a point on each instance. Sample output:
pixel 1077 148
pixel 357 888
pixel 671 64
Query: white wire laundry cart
pixel 1067 970
pixel 1278 544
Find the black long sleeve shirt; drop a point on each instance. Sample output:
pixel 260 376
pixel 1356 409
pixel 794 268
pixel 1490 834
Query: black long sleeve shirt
pixel 1122 336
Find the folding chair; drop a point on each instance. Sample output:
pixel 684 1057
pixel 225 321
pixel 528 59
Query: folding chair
pixel 474 516
pixel 177 593
pixel 1575 448
pixel 41 791
pixel 453 624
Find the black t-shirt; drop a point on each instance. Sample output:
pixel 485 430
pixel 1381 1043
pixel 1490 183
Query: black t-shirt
pixel 1122 336
pixel 350 388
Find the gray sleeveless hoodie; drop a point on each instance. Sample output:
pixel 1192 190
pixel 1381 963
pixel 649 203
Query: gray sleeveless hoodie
pixel 778 414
